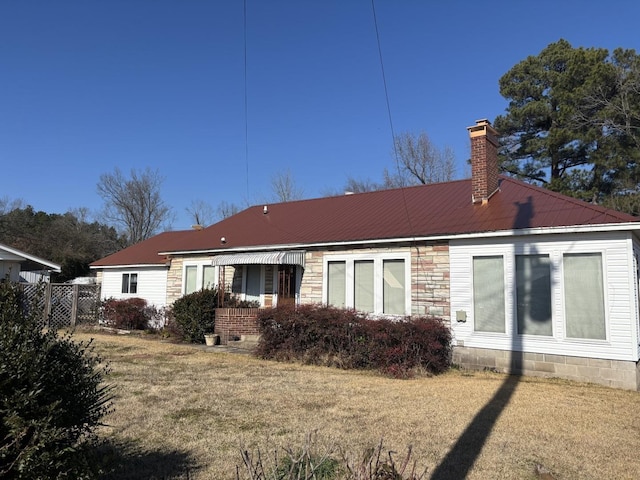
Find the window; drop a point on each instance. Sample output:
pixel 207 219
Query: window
pixel 252 282
pixel 336 284
pixel 488 294
pixel 394 287
pixel 584 296
pixel 198 275
pixel 375 283
pixel 363 285
pixel 129 283
pixel 533 294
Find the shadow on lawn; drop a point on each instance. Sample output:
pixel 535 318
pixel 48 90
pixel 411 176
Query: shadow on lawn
pixel 126 460
pixel 460 459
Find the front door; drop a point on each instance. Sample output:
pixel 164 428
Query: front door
pixel 286 285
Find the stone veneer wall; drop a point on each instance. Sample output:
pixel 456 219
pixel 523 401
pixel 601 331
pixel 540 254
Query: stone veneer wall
pixel 174 280
pixel 311 287
pixel 611 373
pixel 430 290
pixel 235 322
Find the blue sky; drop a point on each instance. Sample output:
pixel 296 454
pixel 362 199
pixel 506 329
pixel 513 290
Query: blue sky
pixel 88 86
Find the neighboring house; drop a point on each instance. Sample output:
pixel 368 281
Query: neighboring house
pixel 529 280
pixel 19 266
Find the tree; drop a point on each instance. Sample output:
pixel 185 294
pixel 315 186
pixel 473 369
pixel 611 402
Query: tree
pixel 419 162
pixel 572 121
pixel 284 187
pixel 134 204
pixel 225 210
pixel 68 239
pixel 202 213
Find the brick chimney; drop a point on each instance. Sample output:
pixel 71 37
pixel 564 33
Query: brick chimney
pixel 484 161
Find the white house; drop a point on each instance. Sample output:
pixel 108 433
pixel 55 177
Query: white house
pixel 529 280
pixel 19 266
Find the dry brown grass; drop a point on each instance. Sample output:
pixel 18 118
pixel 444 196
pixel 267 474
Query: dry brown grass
pixel 179 408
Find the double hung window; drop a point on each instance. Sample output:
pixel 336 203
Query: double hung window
pixel 129 283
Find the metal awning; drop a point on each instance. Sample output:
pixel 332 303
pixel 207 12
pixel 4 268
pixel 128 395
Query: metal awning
pixel 292 257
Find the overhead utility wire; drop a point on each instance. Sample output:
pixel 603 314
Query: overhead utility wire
pixel 393 135
pixel 246 109
pixel 386 96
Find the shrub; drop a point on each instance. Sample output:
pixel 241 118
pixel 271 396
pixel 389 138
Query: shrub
pixel 51 397
pixel 129 313
pixel 325 335
pixel 194 315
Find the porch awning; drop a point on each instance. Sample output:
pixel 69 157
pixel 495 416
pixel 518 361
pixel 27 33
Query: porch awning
pixel 292 257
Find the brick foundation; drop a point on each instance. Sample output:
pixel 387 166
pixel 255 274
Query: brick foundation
pixel 234 322
pixel 611 373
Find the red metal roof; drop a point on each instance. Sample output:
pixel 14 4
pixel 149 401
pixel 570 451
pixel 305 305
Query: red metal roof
pixel 441 209
pixel 145 252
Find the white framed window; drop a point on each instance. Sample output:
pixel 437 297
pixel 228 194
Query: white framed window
pixel 129 283
pixel 488 294
pixel 371 283
pixel 584 296
pixel 533 295
pixel 198 275
pixel 253 283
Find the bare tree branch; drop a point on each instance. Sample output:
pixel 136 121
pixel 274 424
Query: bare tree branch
pixel 284 188
pixel 134 204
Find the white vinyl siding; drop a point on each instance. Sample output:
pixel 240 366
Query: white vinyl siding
pixel 619 301
pixel 151 284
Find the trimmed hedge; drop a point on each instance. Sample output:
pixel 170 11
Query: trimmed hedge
pixel 324 335
pixel 129 314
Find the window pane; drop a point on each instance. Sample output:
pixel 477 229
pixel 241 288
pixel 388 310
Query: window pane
pixel 253 283
pixel 133 283
pixel 208 276
pixel 125 283
pixel 533 292
pixel 488 294
pixel 584 296
pixel 363 285
pixel 394 287
pixel 336 281
pixel 190 274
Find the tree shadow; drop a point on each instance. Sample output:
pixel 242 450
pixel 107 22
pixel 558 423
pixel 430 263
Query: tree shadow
pixel 125 460
pixel 462 456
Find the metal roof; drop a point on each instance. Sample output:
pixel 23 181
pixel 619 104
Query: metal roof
pixel 435 210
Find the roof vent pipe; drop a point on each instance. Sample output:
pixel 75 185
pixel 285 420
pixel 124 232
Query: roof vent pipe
pixel 265 210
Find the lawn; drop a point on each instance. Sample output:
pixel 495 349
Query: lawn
pixel 182 412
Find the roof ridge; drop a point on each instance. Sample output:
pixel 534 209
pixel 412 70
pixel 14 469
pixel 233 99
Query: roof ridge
pixel 576 201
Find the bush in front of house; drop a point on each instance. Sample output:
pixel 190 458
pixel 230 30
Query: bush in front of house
pixel 52 397
pixel 194 314
pixel 325 335
pixel 128 313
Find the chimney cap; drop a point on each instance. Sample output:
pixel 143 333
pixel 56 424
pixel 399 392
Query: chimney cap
pixel 483 127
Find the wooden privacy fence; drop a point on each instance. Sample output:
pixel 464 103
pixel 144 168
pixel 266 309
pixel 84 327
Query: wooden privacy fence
pixel 64 305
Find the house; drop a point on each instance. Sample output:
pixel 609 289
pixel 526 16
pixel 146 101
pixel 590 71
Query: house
pixel 19 266
pixel 529 280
